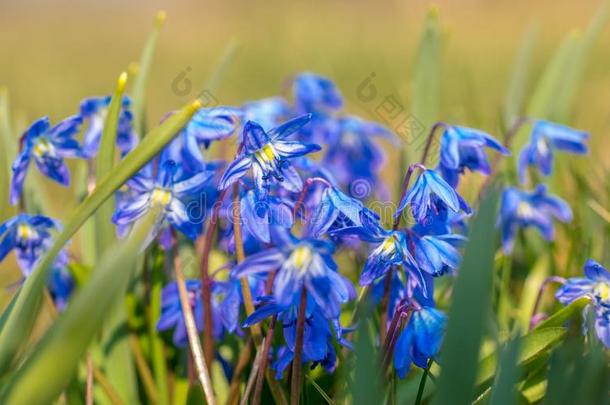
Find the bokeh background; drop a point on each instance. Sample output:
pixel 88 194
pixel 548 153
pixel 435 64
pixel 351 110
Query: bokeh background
pixel 55 53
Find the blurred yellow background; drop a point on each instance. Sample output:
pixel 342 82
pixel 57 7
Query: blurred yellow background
pixel 56 53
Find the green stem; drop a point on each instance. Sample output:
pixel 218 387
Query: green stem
pixel 422 383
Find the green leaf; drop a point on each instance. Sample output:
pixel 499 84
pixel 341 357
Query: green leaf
pixel 156 342
pixel 471 301
pixel 23 315
pixel 560 317
pixel 138 91
pixel 323 394
pixel 426 84
pixel 532 346
pixel 366 388
pixel 503 391
pixel 49 369
pixel 515 96
pixel 538 273
pixel 118 363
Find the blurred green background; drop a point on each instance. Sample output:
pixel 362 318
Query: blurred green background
pixel 55 53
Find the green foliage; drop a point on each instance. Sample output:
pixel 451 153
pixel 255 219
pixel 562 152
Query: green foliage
pixel 471 301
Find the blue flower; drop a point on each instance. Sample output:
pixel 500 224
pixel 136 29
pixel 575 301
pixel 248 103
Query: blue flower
pixel 164 190
pixel 259 215
pixel 545 137
pixel 302 263
pixel 94 110
pixel 333 204
pixel 464 148
pixel 226 301
pixel 420 196
pixel 49 146
pixel 437 254
pixel 317 334
pixel 207 125
pixel 29 235
pixel 392 250
pixel 315 94
pixel 268 112
pixel 268 155
pixel 61 286
pixel 352 155
pixel 596 285
pixel 420 340
pixel 521 209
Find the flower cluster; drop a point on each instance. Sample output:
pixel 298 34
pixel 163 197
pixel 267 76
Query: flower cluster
pixel 294 216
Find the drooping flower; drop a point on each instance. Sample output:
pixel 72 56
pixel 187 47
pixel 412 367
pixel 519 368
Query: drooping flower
pixel 317 335
pixel 225 309
pixel 315 94
pixel 48 146
pixel 521 209
pixel 421 195
pixel 29 236
pixel 464 148
pixel 595 285
pixel 268 155
pixel 61 286
pixel 547 136
pixel 94 110
pixel 420 340
pixel 167 191
pixel 333 204
pixel 259 215
pixel 304 263
pixel 436 254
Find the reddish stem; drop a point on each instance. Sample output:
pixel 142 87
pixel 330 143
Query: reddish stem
pixel 295 380
pixel 545 283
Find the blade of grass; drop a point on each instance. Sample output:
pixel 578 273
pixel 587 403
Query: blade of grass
pixel 47 371
pixel 156 343
pixel 8 151
pixel 138 90
pixel 324 395
pixel 426 79
pixel 118 361
pixel 21 319
pixel 560 317
pixel 503 391
pixel 471 300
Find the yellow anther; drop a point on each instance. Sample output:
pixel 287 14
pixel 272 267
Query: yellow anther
pixel 161 197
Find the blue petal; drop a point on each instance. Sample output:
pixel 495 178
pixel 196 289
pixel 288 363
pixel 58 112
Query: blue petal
pixel 20 167
pixel 235 171
pixel 289 127
pixel 292 149
pixel 254 137
pixel 596 272
pixel 574 288
pixel 192 185
pixel 262 262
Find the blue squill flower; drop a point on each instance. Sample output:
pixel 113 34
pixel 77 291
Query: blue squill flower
pixel 268 112
pixel 268 155
pixel 332 205
pixel 48 146
pixel 464 148
pixel 301 263
pixel 521 209
pixel 547 136
pixel 167 191
pixel 420 340
pixel 315 94
pixel 29 236
pixel 317 334
pixel 61 285
pixel 420 196
pixel 94 110
pixel 595 285
pixel 436 254
pixel 391 250
pixel 226 301
pixel 259 215
pixel 352 153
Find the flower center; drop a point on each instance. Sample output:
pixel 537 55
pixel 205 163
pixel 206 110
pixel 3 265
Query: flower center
pixel 161 196
pixel 525 210
pixel 266 153
pixel 301 257
pixel 26 232
pixel 43 147
pixel 388 246
pixel 602 291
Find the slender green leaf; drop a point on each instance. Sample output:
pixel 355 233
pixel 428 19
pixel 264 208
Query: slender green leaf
pixel 118 362
pixel 324 395
pixel 426 84
pixel 471 300
pixel 156 343
pixel 141 80
pixel 366 388
pixel 21 319
pixel 532 346
pixel 503 391
pixel 563 315
pixel 515 96
pixel 535 278
pixel 49 369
